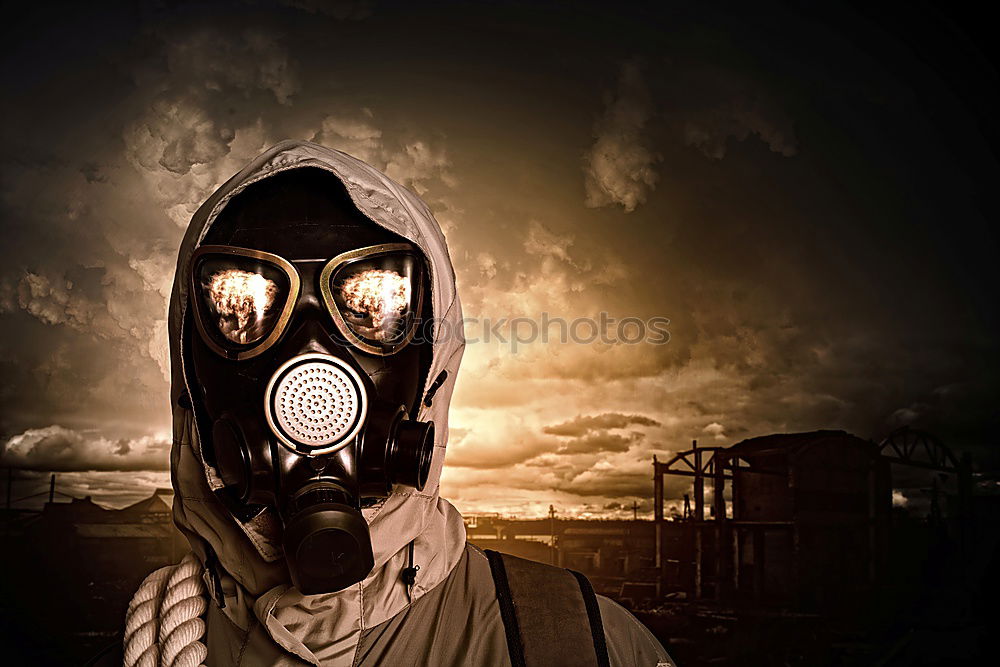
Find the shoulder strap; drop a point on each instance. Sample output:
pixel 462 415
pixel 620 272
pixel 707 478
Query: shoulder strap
pixel 550 615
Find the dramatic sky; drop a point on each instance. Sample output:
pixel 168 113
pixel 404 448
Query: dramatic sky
pixel 806 196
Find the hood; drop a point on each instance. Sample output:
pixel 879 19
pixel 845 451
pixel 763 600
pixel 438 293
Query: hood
pixel 252 578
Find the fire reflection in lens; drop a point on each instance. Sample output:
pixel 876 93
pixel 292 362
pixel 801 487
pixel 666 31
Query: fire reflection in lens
pixel 381 295
pixel 242 299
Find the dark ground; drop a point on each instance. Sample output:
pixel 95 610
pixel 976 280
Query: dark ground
pixel 58 606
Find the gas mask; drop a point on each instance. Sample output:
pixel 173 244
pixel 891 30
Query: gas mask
pixel 304 370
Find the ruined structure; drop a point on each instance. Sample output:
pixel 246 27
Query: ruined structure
pixel 799 520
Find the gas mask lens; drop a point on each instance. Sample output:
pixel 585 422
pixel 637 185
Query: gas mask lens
pixel 241 297
pixel 375 296
pixel 244 298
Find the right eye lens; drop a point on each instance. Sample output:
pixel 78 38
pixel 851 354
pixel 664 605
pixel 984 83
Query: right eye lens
pixel 240 298
pixel 243 302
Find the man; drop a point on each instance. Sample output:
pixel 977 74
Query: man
pixel 310 400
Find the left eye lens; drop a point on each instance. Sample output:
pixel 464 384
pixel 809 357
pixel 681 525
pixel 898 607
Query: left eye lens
pixel 378 301
pixel 378 298
pixel 240 298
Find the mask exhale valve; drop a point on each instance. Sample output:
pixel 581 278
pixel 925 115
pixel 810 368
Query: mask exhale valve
pixel 316 404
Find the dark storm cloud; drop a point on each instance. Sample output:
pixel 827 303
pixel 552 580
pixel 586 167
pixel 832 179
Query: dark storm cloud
pixel 716 108
pixel 599 442
pixel 585 424
pixel 613 484
pixel 619 167
pixel 624 475
pixel 61 449
pixel 588 435
pixel 496 453
pixel 344 10
pixel 93 173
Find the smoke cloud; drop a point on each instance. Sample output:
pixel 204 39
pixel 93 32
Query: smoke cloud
pixel 618 168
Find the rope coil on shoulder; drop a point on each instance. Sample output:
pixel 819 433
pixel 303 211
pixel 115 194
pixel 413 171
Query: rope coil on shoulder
pixel 163 625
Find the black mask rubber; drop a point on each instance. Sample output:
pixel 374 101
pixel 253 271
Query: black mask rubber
pixel 306 214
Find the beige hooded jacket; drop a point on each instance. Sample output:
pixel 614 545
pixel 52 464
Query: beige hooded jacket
pixel 450 615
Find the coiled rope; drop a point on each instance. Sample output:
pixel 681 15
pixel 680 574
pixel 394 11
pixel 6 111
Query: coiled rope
pixel 163 625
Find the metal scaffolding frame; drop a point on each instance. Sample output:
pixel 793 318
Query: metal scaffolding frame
pixel 920 449
pixel 904 446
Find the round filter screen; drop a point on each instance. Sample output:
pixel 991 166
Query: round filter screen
pixel 316 404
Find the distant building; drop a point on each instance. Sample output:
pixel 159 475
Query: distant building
pixel 807 526
pixel 810 517
pixel 610 552
pixel 75 565
pixel 126 542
